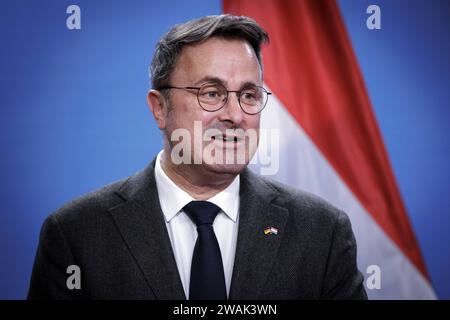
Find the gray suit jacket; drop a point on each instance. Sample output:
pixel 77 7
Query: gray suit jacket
pixel 118 238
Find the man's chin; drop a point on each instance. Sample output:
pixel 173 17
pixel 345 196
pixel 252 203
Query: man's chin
pixel 232 169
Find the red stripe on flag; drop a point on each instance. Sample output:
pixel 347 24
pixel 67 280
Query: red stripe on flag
pixel 311 67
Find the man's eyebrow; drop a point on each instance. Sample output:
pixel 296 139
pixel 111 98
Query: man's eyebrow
pixel 216 80
pixel 250 84
pixel 209 79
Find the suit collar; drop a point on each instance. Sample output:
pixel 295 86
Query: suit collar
pixel 255 250
pixel 141 223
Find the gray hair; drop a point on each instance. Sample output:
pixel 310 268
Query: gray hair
pixel 225 26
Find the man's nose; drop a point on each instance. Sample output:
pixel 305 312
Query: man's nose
pixel 232 111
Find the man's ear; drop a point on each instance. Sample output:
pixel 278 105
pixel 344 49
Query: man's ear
pixel 156 103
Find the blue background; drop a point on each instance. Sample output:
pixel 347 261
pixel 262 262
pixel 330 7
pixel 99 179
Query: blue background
pixel 73 115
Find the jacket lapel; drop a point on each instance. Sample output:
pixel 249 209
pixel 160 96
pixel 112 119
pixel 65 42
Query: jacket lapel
pixel 140 221
pixel 255 250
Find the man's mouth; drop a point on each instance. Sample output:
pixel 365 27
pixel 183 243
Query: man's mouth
pixel 226 138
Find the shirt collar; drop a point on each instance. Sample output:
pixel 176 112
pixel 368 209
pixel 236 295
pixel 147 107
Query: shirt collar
pixel 172 198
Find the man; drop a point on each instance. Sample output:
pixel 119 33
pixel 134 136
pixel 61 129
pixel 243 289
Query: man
pixel 196 224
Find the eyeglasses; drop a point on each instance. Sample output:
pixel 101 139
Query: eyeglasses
pixel 212 97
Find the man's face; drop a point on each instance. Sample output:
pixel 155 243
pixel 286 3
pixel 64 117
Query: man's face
pixel 232 63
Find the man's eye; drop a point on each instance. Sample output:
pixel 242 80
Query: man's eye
pixel 211 94
pixel 249 96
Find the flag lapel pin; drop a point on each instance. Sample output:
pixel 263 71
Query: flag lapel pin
pixel 270 230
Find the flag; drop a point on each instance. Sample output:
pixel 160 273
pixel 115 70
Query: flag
pixel 329 141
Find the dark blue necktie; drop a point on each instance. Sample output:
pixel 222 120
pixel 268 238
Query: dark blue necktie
pixel 207 276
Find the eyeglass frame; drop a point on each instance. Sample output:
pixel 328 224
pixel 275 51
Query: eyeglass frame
pixel 238 94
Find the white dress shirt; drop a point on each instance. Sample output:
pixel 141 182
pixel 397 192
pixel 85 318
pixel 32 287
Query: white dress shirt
pixel 183 232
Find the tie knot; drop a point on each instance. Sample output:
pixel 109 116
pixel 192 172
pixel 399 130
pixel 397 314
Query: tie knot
pixel 201 212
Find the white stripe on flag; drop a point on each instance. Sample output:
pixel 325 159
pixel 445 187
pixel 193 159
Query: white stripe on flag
pixel 303 166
